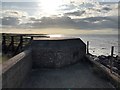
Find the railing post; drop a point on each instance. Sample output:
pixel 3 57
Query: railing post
pixel 87 47
pixel 12 43
pixel 4 43
pixel 31 38
pixel 21 42
pixel 111 59
pixel 20 46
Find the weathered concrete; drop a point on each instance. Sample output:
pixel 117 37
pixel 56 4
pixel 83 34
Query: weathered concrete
pixel 113 77
pixel 57 53
pixel 79 75
pixel 16 70
pixel 52 53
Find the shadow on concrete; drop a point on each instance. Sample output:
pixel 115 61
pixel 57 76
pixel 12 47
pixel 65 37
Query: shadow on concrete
pixel 80 75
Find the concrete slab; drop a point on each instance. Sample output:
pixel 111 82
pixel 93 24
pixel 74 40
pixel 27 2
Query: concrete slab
pixel 75 76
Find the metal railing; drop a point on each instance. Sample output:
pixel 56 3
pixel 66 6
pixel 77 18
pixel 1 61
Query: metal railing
pixel 16 43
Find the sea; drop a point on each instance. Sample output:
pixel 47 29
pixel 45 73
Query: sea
pixel 100 44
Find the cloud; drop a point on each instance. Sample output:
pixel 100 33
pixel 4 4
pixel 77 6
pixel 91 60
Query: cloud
pixel 106 8
pixel 10 21
pixel 33 19
pixel 91 23
pixel 14 13
pixel 98 23
pixel 85 9
pixel 91 8
pixel 83 15
pixel 75 13
pixel 47 22
pixel 67 7
pixel 87 5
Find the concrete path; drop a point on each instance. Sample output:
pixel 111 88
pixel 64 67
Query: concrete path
pixel 80 75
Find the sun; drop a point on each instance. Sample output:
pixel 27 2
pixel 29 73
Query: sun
pixel 50 7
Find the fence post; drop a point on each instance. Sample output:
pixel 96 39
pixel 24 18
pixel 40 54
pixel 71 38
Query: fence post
pixel 20 45
pixel 4 43
pixel 12 43
pixel 111 59
pixel 31 38
pixel 87 47
pixel 21 42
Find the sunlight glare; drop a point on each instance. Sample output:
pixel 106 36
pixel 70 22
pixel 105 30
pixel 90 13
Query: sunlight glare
pixel 50 7
pixel 55 35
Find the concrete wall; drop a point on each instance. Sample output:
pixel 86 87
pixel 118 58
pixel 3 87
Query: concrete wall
pixel 43 53
pixel 57 53
pixel 16 70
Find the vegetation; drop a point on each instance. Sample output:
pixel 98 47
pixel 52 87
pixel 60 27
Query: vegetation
pixel 3 59
pixel 10 51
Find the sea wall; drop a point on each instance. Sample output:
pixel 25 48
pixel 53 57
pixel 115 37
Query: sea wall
pixel 16 69
pixel 57 53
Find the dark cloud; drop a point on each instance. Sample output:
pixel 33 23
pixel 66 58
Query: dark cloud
pixel 100 19
pixel 97 23
pixel 10 21
pixel 14 12
pixel 94 19
pixel 92 23
pixel 87 5
pixel 47 22
pixel 75 13
pixel 34 19
pixel 95 9
pixel 106 8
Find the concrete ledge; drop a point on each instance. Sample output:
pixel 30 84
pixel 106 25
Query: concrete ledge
pixel 16 69
pixel 113 77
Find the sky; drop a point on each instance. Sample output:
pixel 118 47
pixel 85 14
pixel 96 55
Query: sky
pixel 38 0
pixel 60 16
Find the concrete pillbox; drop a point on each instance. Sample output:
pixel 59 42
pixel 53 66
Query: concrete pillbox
pixel 57 52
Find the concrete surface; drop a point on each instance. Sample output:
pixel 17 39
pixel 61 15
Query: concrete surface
pixel 15 70
pixel 75 76
pixel 59 52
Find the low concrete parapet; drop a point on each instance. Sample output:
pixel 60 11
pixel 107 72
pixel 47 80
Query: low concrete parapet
pixel 16 69
pixel 113 77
